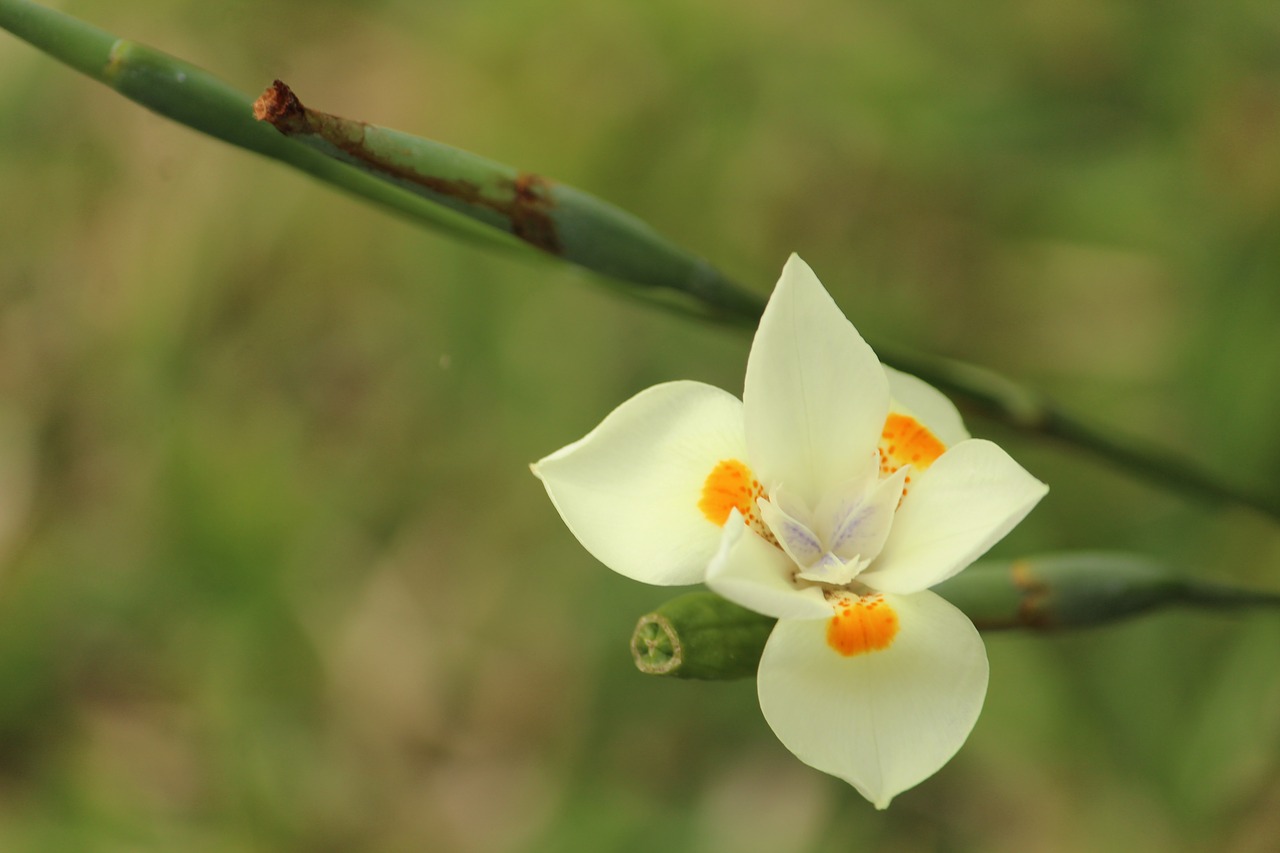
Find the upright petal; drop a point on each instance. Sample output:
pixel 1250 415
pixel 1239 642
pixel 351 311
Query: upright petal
pixel 883 719
pixel 751 572
pixel 966 502
pixel 630 489
pixel 917 398
pixel 859 528
pixel 793 532
pixel 816 397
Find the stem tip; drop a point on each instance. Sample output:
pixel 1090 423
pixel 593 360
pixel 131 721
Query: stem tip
pixel 278 105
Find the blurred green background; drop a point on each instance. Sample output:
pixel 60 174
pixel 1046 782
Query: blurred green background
pixel 274 575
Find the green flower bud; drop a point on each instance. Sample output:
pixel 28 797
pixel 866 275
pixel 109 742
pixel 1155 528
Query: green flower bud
pixel 700 635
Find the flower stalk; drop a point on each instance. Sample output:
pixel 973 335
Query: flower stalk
pixel 477 200
pixel 700 635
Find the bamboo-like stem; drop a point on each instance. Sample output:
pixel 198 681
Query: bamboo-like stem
pixel 191 96
pixel 509 209
pixel 700 635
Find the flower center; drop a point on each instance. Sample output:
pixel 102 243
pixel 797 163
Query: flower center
pixel 833 542
pixel 861 624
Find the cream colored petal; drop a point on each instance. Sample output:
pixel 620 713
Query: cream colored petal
pixel 816 397
pixel 886 720
pixel 953 512
pixel 630 489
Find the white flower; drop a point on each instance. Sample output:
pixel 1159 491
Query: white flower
pixel 832 496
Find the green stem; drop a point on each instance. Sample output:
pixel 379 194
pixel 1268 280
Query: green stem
pixel 189 95
pixel 700 635
pixel 476 199
pixel 1084 589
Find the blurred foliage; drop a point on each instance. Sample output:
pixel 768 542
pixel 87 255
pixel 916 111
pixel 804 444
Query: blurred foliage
pixel 274 575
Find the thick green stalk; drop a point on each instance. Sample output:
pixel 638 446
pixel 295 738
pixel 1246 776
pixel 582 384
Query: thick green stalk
pixel 701 635
pixel 476 199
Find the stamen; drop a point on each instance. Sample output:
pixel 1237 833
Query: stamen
pixel 865 624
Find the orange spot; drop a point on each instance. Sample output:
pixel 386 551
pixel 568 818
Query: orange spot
pixel 729 486
pixel 867 624
pixel 904 440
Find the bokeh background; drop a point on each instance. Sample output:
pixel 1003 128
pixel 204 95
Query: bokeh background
pixel 274 575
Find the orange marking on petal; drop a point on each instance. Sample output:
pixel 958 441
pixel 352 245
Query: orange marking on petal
pixel 867 624
pixel 729 486
pixel 907 441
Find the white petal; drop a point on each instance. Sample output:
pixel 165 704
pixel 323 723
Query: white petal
pixel 917 398
pixel 630 489
pixel 962 505
pixel 816 397
pixel 749 571
pixel 860 527
pixel 885 720
pixel 799 542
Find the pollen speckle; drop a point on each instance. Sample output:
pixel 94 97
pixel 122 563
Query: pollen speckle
pixel 866 624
